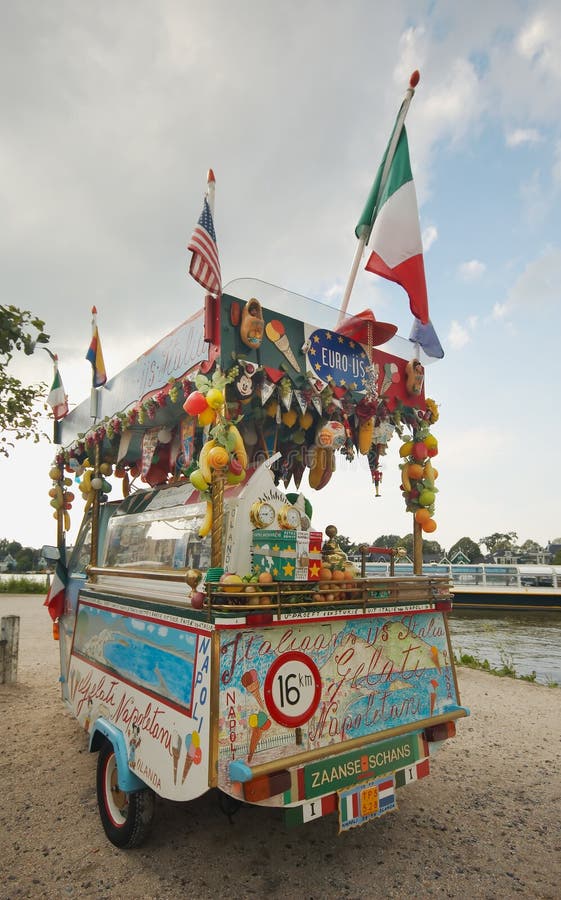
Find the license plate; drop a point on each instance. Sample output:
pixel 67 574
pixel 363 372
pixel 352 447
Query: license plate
pixel 363 802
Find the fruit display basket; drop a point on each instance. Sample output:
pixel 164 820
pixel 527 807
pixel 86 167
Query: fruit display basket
pixel 360 593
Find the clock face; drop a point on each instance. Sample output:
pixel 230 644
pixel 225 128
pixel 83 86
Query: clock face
pixel 266 515
pixel 289 517
pixel 262 514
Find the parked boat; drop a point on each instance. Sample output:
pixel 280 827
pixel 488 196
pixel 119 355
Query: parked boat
pixel 490 586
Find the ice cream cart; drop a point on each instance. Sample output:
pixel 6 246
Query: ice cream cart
pixel 211 637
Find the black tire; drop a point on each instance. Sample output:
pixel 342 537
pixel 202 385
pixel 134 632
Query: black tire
pixel 126 818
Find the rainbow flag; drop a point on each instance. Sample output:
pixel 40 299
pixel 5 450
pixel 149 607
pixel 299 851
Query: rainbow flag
pixel 95 355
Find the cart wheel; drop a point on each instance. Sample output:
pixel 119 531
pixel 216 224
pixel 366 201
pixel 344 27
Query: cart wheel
pixel 126 818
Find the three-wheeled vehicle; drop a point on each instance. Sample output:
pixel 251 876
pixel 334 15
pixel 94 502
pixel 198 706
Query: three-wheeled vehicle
pixel 210 636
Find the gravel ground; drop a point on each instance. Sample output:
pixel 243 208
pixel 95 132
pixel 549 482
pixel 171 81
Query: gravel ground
pixel 486 824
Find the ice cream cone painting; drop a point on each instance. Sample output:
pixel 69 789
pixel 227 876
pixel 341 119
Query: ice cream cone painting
pixel 258 722
pixel 194 753
pixel 250 681
pixel 391 376
pixel 276 333
pixel 175 752
pixel 74 679
pixel 434 685
pixel 434 654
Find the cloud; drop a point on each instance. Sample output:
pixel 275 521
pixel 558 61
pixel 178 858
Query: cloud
pixel 500 311
pixel 523 136
pixel 556 171
pixel 413 48
pixel 539 42
pixel 524 65
pixel 471 270
pixel 536 200
pixel 448 104
pixel 458 336
pixel 450 108
pixel 495 440
pixel 430 235
pixel 537 286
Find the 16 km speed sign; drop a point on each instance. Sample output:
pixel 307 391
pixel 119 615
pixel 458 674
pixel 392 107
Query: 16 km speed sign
pixel 292 689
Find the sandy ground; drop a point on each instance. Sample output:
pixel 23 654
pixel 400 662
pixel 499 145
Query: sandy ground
pixel 487 823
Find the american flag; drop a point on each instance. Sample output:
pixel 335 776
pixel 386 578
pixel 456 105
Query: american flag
pixel 205 265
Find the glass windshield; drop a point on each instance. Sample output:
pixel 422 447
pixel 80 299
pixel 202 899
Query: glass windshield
pixel 159 538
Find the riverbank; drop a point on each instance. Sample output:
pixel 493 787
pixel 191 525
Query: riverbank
pixel 486 824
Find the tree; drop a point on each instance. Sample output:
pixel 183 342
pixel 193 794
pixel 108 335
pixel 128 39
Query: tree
pixel 346 545
pixel 469 548
pixel 9 547
pixel 19 415
pixel 387 540
pixel 24 560
pixel 497 541
pixel 530 551
pixel 430 548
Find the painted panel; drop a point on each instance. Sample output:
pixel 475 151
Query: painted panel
pixel 374 673
pixel 148 673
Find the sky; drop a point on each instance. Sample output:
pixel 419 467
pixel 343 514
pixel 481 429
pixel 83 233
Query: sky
pixel 113 113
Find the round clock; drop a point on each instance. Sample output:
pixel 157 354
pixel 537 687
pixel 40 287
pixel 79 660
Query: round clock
pixel 289 517
pixel 262 514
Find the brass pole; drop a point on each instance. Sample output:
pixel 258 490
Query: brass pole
pixel 60 512
pixel 95 513
pixel 417 548
pixel 217 493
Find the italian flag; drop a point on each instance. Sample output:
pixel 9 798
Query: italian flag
pixel 57 399
pixel 390 224
pixel 55 598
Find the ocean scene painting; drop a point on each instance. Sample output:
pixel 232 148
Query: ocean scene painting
pixel 155 655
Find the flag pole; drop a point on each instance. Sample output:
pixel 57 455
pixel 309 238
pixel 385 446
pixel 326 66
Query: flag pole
pixel 217 486
pixel 210 187
pixel 93 391
pixel 364 238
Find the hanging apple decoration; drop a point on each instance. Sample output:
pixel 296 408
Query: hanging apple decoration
pixel 417 472
pixel 195 403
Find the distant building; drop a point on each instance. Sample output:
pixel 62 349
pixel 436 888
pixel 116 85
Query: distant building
pixel 511 557
pixel 459 558
pixel 7 564
pixel 553 548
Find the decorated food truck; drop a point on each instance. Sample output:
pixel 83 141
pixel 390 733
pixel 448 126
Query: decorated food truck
pixel 212 637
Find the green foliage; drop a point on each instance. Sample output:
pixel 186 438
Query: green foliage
pixel 387 540
pixel 469 548
pixel 430 548
pixel 11 547
pixel 23 586
pixel 19 415
pixel 498 541
pixel 505 670
pixel 346 545
pixel 26 559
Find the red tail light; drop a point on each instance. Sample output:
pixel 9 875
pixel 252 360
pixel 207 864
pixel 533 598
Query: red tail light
pixel 440 732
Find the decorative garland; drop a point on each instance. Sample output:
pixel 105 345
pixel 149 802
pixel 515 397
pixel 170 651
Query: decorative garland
pixel 417 472
pixel 248 413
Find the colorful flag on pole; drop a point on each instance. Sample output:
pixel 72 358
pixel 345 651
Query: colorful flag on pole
pixel 57 399
pixel 95 355
pixel 55 598
pixel 205 265
pixel 391 219
pixel 427 338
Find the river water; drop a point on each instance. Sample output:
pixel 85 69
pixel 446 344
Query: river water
pixel 527 642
